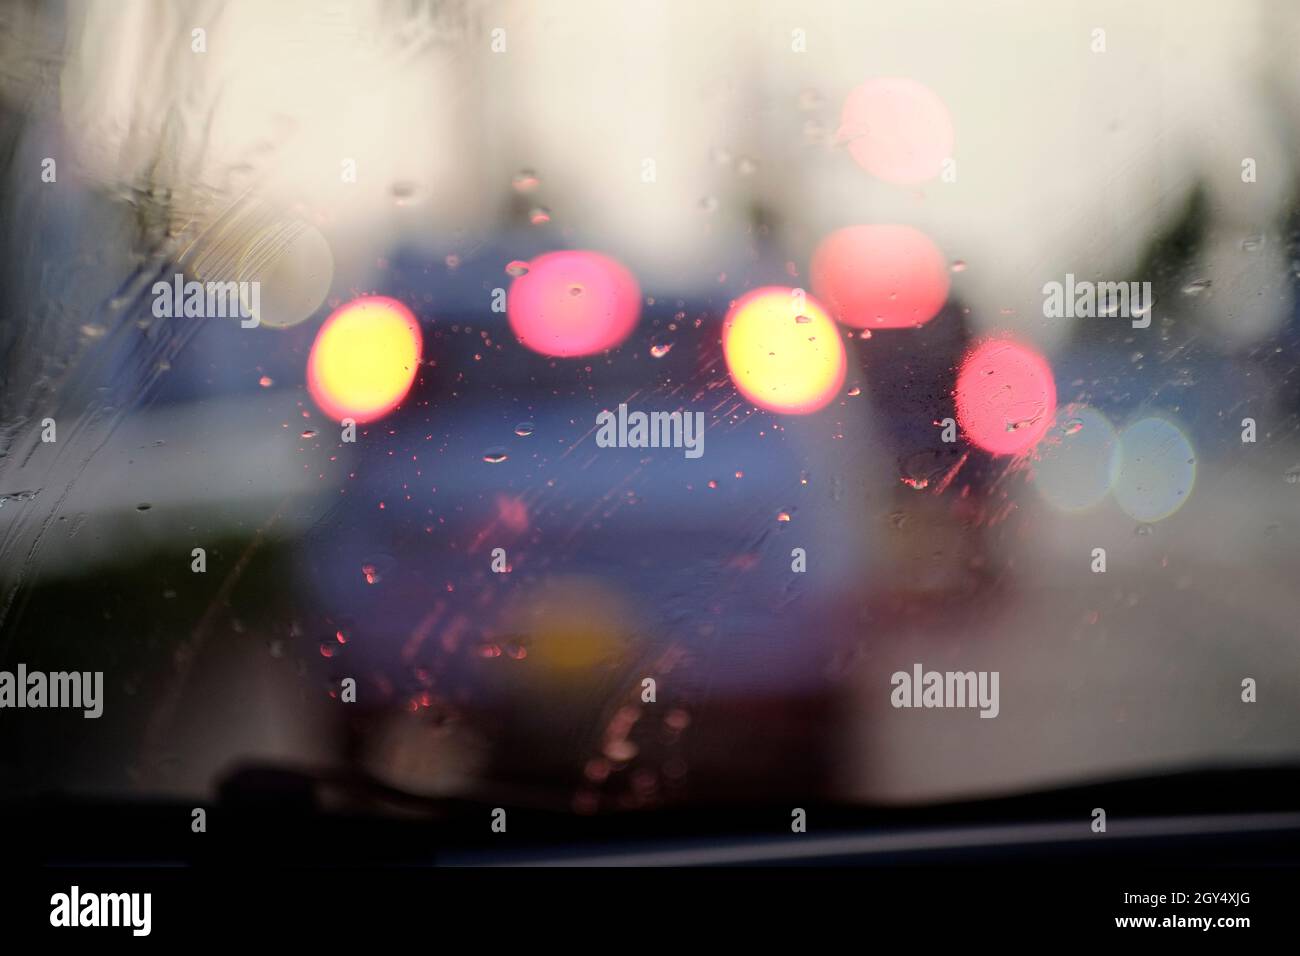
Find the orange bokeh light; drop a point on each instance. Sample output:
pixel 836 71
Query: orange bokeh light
pixel 1006 397
pixel 783 350
pixel 880 276
pixel 364 359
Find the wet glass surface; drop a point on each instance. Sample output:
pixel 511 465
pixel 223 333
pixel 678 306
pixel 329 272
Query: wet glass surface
pixel 876 270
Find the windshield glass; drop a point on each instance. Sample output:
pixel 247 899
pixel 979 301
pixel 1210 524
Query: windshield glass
pixel 617 413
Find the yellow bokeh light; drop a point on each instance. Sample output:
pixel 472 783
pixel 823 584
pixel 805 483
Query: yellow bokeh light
pixel 783 350
pixel 364 359
pixel 573 624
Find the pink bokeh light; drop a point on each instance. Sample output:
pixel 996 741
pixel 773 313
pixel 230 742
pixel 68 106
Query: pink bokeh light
pixel 897 129
pixel 573 303
pixel 1006 397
